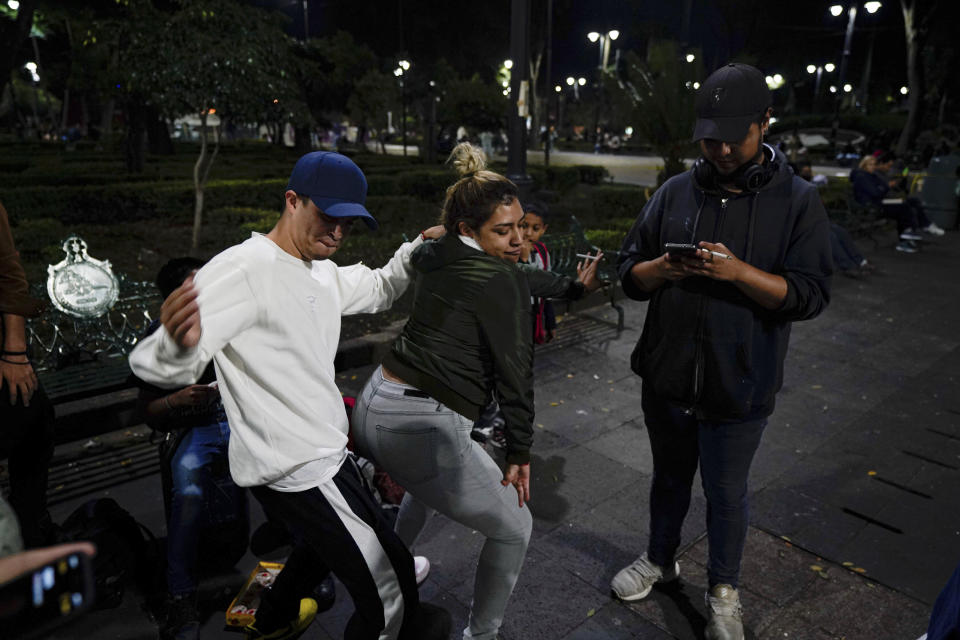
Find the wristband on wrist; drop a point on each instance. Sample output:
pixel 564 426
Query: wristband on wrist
pixel 2 359
pixel 14 353
pixel 166 401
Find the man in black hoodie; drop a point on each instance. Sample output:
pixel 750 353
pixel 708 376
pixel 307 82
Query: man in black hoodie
pixel 716 331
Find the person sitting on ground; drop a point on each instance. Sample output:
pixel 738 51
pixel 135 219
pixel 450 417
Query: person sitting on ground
pixel 846 256
pixel 870 190
pixel 268 313
pixel 203 506
pixel 468 335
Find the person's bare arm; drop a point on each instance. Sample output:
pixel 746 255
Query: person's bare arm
pixel 15 369
pixel 766 289
pixel 650 275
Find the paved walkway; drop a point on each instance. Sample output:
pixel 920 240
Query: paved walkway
pixel 855 509
pixel 624 168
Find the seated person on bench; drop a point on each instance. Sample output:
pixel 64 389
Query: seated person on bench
pixel 204 507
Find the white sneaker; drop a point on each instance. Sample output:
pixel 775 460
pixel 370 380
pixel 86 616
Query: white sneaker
pixel 910 234
pixel 635 581
pixel 421 567
pixel 933 229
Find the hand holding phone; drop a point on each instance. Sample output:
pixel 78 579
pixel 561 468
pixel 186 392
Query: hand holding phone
pixel 43 588
pixel 678 249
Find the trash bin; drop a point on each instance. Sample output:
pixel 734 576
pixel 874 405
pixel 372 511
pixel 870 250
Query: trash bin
pixel 939 191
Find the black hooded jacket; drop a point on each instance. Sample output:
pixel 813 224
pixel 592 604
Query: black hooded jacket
pixel 705 344
pixel 470 334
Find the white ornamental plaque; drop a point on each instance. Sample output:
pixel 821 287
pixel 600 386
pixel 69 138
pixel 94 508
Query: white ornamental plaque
pixel 81 286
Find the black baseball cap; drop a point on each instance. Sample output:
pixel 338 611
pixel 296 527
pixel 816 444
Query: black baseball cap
pixel 728 101
pixel 334 183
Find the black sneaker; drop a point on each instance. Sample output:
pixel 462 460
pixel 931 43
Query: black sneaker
pixel 181 620
pixel 498 438
pixel 325 594
pixel 480 433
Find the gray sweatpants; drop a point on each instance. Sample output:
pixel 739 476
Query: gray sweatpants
pixel 426 447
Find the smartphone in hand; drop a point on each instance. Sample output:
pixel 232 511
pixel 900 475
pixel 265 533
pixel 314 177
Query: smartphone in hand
pixel 39 600
pixel 677 249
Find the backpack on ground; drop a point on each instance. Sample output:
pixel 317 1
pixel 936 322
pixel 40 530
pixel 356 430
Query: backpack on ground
pixel 126 550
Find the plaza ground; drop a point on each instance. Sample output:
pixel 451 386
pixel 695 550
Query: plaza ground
pixel 855 516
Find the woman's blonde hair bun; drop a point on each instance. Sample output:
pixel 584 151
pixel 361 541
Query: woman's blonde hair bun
pixel 467 159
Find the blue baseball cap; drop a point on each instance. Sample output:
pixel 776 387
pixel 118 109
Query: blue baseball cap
pixel 334 183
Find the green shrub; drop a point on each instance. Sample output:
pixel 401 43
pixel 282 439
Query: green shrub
pixel 429 185
pixel 382 185
pixel 262 224
pixel 592 174
pixel 107 204
pixel 562 179
pixel 607 239
pixel 617 202
pixel 39 240
pixel 402 214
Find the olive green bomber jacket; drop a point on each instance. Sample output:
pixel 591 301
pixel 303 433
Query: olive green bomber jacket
pixel 469 334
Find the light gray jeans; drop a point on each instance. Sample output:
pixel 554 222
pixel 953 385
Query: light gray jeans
pixel 426 447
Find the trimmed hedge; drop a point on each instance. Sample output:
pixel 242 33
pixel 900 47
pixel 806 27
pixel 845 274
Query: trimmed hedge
pixel 108 204
pixel 619 201
pixel 606 239
pixel 592 174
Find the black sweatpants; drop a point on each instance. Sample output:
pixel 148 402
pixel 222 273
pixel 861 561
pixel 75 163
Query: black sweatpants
pixel 26 440
pixel 338 526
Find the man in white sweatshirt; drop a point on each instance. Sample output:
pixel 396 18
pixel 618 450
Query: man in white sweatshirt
pixel 267 312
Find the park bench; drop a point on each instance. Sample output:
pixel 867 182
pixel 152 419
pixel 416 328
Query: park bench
pixel 564 248
pixel 860 220
pixel 81 341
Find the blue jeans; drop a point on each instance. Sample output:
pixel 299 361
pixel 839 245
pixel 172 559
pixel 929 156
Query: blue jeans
pixel 724 451
pixel 203 496
pixel 846 256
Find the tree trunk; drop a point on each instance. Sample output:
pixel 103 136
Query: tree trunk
pixel 133 144
pixel 942 111
pixel 12 37
pixel 106 118
pixel 201 172
pixel 534 102
pixel 915 79
pixel 301 136
pixel 158 134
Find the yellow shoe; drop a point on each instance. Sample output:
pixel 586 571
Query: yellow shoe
pixel 308 611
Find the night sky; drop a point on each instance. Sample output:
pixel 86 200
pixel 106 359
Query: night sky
pixel 474 37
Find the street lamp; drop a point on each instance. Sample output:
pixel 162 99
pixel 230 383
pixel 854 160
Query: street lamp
pixel 691 57
pixel 604 39
pixel 835 11
pixel 402 67
pixel 811 69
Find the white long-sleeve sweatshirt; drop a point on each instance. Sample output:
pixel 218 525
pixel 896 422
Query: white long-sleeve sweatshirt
pixel 271 324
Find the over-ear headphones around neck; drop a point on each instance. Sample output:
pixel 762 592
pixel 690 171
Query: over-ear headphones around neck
pixel 749 177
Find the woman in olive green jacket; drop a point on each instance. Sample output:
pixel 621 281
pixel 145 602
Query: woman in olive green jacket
pixel 468 339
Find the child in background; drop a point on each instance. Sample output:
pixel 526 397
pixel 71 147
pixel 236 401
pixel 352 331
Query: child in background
pixel 534 225
pixel 533 253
